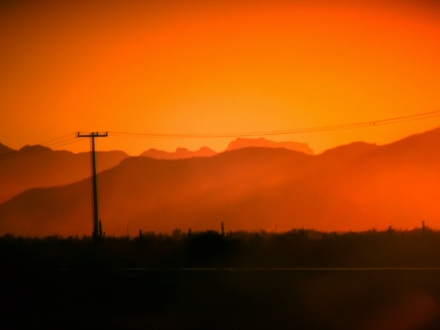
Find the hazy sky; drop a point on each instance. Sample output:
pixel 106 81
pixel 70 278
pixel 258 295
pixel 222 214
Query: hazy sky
pixel 215 67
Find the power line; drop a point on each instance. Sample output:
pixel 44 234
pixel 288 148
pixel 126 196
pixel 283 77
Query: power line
pixel 71 135
pixel 41 147
pixel 71 138
pixel 318 129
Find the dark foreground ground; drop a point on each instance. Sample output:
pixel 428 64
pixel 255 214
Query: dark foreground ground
pixel 215 290
pixel 222 299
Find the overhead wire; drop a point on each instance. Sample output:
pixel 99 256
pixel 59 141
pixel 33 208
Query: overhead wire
pixel 41 147
pixel 71 138
pixel 317 129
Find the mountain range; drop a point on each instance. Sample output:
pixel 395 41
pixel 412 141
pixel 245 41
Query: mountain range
pixel 356 187
pixel 180 153
pixel 239 143
pixel 37 166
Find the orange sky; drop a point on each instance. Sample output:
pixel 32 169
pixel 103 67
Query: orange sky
pixel 215 67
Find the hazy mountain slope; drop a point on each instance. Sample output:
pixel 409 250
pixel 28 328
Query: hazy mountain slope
pixel 241 143
pixel 24 169
pixel 151 194
pixel 353 187
pixel 398 183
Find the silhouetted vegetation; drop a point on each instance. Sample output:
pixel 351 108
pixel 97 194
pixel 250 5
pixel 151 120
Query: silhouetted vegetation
pixel 208 280
pixel 297 248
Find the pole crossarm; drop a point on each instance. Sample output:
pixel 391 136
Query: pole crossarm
pixel 97 225
pixel 93 134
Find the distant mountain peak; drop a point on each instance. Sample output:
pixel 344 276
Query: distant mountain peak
pixel 4 149
pixel 241 143
pixel 34 147
pixel 180 153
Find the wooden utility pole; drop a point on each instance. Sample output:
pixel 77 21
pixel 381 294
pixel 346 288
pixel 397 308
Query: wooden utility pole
pixel 97 225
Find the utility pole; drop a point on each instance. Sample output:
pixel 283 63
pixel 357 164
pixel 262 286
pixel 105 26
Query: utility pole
pixel 97 225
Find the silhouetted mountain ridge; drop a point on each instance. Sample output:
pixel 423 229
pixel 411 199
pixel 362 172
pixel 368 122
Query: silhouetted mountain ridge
pixel 179 153
pixel 37 166
pixel 239 143
pixel 353 187
pixel 5 150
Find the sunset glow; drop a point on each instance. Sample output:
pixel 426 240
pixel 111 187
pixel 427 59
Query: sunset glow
pixel 216 67
pixel 236 164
